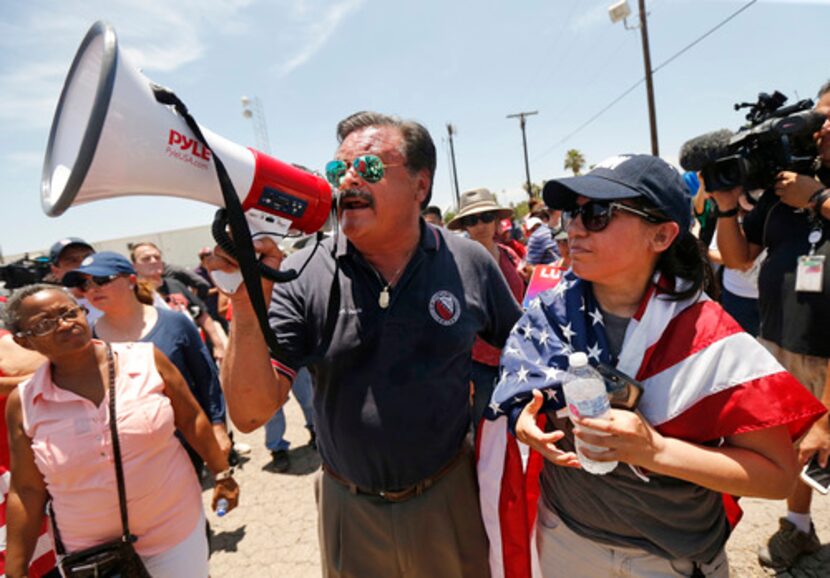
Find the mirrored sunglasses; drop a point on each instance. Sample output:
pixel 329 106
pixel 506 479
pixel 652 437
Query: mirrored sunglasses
pixel 49 324
pixel 472 220
pixel 369 167
pixel 596 215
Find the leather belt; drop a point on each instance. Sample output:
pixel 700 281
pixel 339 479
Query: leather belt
pixel 404 494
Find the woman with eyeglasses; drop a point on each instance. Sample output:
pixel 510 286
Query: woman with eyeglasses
pixel 108 281
pixel 716 417
pixel 61 445
pixel 479 215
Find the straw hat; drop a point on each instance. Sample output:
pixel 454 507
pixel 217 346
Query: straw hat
pixel 475 202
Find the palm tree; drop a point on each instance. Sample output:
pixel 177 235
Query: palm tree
pixel 574 160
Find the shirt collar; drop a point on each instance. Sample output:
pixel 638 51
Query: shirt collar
pixel 46 388
pixel 430 240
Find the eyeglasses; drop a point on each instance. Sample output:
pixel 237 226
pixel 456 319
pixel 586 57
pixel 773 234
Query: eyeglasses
pixel 369 167
pixel 597 214
pixel 49 324
pixel 96 280
pixel 472 220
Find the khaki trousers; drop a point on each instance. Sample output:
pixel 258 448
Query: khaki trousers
pixel 810 370
pixel 565 554
pixel 438 534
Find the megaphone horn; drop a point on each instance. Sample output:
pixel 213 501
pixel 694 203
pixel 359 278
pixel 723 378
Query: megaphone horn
pixel 111 138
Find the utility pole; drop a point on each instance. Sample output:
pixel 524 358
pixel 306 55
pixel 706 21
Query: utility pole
pixel 252 108
pixel 521 116
pixel 619 12
pixel 652 114
pixel 451 131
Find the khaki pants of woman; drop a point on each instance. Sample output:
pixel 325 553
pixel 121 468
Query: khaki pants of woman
pixel 565 554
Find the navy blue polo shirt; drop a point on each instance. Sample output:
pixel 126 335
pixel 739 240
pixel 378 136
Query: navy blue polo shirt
pixel 392 385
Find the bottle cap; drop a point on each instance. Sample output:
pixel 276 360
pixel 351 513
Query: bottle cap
pixel 577 360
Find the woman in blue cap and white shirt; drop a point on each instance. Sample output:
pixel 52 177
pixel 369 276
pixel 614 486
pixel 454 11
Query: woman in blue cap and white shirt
pixel 717 416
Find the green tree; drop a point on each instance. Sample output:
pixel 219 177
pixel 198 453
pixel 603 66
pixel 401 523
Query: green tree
pixel 574 161
pixel 535 190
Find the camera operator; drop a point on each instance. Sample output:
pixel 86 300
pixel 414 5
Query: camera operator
pixel 793 222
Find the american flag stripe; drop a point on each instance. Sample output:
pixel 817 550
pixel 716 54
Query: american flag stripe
pixel 283 369
pixel 504 503
pixel 490 463
pixel 707 372
pixel 753 405
pixel 43 558
pixel 693 330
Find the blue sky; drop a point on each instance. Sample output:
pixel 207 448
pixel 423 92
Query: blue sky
pixel 312 62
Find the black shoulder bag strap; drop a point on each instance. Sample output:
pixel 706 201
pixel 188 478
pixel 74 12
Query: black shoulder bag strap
pixel 116 451
pixel 119 472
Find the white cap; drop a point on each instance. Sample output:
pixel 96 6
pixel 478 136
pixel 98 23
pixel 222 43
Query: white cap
pixel 577 360
pixel 532 223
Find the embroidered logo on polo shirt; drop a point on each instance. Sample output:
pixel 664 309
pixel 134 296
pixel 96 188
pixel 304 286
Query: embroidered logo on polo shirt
pixel 444 308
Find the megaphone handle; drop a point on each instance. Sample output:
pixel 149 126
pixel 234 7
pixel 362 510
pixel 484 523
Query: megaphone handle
pixel 220 235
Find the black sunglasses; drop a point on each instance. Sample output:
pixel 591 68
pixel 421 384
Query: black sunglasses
pixel 472 220
pixel 98 280
pixel 596 215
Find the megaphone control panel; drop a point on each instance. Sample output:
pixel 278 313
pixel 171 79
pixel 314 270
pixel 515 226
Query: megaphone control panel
pixel 290 192
pixel 281 202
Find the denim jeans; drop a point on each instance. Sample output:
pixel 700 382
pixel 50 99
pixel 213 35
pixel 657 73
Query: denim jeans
pixel 275 428
pixel 744 310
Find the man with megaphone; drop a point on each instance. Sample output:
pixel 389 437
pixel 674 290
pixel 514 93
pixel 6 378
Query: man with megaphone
pixel 384 315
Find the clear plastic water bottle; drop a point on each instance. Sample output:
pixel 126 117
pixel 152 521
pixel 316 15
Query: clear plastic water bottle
pixel 586 397
pixel 221 507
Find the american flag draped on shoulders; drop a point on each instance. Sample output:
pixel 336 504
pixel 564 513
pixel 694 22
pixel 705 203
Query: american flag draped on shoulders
pixel 703 378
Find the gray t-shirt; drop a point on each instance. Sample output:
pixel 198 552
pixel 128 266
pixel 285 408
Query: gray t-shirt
pixel 665 516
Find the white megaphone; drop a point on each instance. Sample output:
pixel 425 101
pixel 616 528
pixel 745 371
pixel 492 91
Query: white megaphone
pixel 111 137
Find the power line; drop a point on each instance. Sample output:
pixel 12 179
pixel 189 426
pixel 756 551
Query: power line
pixel 717 26
pixel 642 80
pixel 590 120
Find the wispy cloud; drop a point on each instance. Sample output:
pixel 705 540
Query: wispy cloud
pixel 157 35
pixel 321 22
pixel 593 16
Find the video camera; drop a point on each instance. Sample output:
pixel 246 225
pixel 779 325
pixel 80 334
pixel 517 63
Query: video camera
pixel 24 272
pixel 777 138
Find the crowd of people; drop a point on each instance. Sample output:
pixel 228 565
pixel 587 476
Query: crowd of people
pixel 429 359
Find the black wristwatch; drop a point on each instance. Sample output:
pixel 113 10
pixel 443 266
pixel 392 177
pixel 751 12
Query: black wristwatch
pixel 726 214
pixel 818 198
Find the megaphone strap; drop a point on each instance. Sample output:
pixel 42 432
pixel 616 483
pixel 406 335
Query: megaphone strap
pixel 242 244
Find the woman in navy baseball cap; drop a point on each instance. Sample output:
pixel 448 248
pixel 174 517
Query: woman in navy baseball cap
pixel 704 412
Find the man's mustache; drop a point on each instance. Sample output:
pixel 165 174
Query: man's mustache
pixel 349 195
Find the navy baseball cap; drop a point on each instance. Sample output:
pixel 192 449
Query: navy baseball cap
pixel 100 264
pixel 627 177
pixel 59 246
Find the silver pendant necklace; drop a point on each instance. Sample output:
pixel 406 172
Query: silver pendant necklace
pixel 383 298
